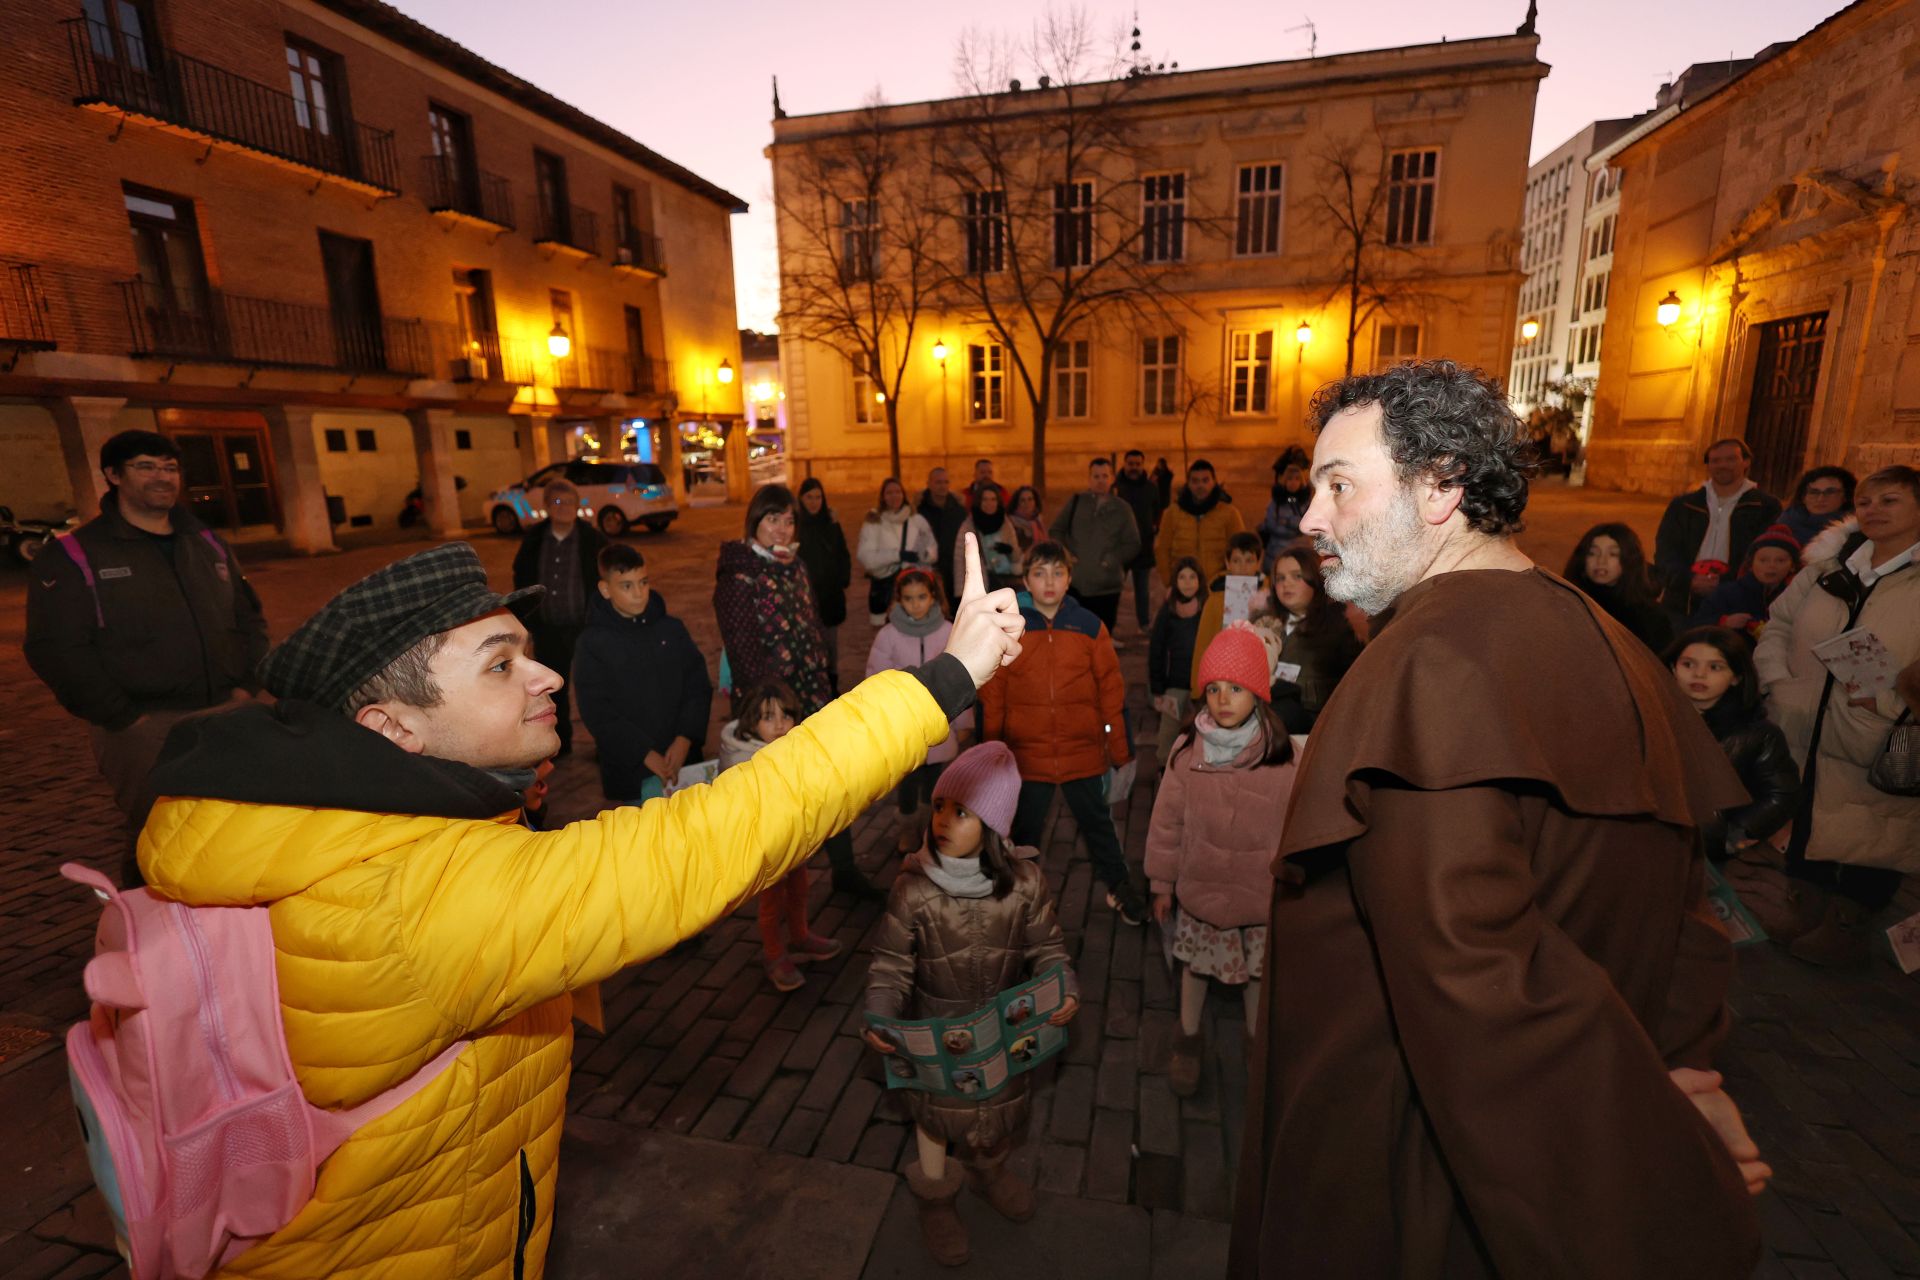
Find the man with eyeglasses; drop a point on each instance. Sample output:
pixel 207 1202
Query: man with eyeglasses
pixel 141 618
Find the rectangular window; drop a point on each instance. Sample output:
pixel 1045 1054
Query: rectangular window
pixel 1256 226
pixel 462 438
pixel 336 440
pixel 624 230
pixel 353 298
pixel 365 440
pixel 868 405
pixel 859 239
pixel 1163 217
pixel 479 332
pixel 1413 181
pixel 986 382
pixel 1160 376
pixel 986 219
pixel 550 187
pixel 456 179
pixel 640 372
pixel 1398 342
pixel 1600 239
pixel 1072 224
pixel 1072 377
pixel 1250 360
pixel 313 78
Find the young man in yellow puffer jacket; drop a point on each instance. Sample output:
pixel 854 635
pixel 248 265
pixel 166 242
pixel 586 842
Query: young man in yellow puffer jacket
pixel 373 808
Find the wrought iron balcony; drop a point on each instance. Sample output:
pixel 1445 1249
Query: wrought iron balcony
pixel 23 309
pixel 647 376
pixel 116 72
pixel 571 230
pixel 482 358
pixel 640 254
pixel 468 196
pixel 217 327
pixel 590 369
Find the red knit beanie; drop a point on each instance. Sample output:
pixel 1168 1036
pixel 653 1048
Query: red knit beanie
pixel 1237 655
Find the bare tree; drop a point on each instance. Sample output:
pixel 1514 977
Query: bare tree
pixel 1043 161
pixel 1377 265
pixel 860 222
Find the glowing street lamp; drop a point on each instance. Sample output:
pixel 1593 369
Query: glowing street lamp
pixel 559 345
pixel 1529 329
pixel 1668 310
pixel 724 374
pixel 940 350
pixel 1304 334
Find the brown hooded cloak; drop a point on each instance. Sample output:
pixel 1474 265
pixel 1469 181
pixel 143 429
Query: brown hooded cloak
pixel 1489 871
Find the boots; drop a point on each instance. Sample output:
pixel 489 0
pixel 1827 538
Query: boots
pixel 811 946
pixel 1840 940
pixel 1183 1070
pixel 1010 1195
pixel 1786 908
pixel 940 1225
pixel 847 876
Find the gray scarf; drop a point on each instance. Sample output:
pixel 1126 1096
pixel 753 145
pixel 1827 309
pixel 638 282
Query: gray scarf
pixel 1219 746
pixel 903 622
pixel 958 877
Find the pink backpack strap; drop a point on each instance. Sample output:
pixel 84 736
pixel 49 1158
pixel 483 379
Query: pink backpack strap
pixel 332 1128
pixel 206 536
pixel 78 554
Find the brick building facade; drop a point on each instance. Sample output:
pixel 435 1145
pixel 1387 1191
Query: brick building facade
pixel 332 254
pixel 1775 218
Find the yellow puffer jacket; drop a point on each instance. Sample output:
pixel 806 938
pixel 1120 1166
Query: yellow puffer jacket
pixel 397 935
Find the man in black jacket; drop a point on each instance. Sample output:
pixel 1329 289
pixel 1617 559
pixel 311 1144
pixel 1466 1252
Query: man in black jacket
pixel 945 514
pixel 1716 522
pixel 141 619
pixel 1143 495
pixel 561 554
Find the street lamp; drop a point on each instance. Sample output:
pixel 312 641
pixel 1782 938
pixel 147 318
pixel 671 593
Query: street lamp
pixel 559 345
pixel 724 374
pixel 1529 329
pixel 1304 334
pixel 940 350
pixel 1668 310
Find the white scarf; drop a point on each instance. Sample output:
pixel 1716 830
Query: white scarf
pixel 1223 746
pixel 958 877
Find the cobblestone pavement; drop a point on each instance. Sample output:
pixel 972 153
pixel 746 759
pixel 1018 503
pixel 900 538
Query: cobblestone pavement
pixel 700 1050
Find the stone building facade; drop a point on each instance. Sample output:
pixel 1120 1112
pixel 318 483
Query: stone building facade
pixel 333 255
pixel 1776 219
pixel 1214 192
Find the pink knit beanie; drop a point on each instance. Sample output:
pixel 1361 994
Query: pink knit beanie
pixel 986 782
pixel 1236 654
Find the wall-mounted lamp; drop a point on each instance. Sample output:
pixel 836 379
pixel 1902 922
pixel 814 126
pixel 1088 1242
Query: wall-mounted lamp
pixel 1304 334
pixel 1668 310
pixel 940 350
pixel 1529 329
pixel 559 345
pixel 724 373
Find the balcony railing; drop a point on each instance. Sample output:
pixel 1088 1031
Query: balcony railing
pixel 224 328
pixel 23 308
pixel 487 357
pixel 590 369
pixel 573 228
pixel 641 252
pixel 480 196
pixel 647 376
pixel 215 104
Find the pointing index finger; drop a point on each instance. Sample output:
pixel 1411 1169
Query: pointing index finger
pixel 976 583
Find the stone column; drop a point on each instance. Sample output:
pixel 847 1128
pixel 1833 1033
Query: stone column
pixel 296 479
pixel 85 423
pixel 667 454
pixel 433 449
pixel 536 439
pixel 739 475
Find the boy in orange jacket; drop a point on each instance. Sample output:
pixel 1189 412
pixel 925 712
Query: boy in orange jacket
pixel 1059 708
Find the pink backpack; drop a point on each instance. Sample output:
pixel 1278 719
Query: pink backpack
pixel 195 1127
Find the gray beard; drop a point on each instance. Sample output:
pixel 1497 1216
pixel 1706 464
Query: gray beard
pixel 1378 562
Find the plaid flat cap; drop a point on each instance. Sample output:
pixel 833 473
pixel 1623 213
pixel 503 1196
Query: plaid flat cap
pixel 359 632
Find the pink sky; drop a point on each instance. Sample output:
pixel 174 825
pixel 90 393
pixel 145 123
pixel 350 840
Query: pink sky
pixel 691 80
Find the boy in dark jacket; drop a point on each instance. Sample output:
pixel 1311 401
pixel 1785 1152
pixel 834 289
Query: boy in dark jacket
pixel 642 683
pixel 1060 708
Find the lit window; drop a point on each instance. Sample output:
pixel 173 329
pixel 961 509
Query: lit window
pixel 1159 376
pixel 1072 374
pixel 986 382
pixel 1398 342
pixel 1251 352
pixel 868 408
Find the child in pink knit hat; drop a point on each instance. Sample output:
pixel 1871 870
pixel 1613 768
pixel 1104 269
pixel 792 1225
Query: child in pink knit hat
pixel 1216 823
pixel 969 916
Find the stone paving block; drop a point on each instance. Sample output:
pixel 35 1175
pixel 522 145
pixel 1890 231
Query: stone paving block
pixel 1061 1168
pixel 1159 1118
pixel 757 1068
pixel 646 1105
pixel 670 1029
pixel 735 960
pixel 1208 1191
pixel 770 1112
pixel 1068 1239
pixel 691 1102
pixel 1119 1075
pixel 1072 1117
pixel 1123 1010
pixel 750 1021
pixel 797 1134
pixel 1890 1242
pixel 835 1068
pixel 676 979
pixel 849 986
pixel 1846 1247
pixel 1902 1074
pixel 1790 1089
pixel 1157 990
pixel 797 1006
pixel 740 992
pixel 805 1052
pixel 840 1138
pixel 1157 1030
pixel 1781 1228
pixel 1128 950
pixel 1157 1182
pixel 1084 1037
pixel 686 1056
pixel 623 1083
pixel 720 1118
pixel 83 1224
pixel 1184 1246
pixel 880 1145
pixel 1900 1196
pixel 1110 1156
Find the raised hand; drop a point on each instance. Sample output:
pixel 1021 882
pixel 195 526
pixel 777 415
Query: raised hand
pixel 987 624
pixel 1704 1092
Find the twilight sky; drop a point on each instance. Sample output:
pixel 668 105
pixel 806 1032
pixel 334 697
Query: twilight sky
pixel 691 80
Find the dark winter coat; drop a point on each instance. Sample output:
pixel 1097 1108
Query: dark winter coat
pixel 823 550
pixel 1143 495
pixel 1282 522
pixel 945 520
pixel 1759 753
pixel 1677 545
pixel 1650 624
pixel 770 624
pixel 169 624
pixel 1745 594
pixel 1104 538
pixel 587 539
pixel 1060 705
pixel 1170 650
pixel 938 956
pixel 1323 652
pixel 640 683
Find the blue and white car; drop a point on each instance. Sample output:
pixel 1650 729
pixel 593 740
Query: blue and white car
pixel 614 493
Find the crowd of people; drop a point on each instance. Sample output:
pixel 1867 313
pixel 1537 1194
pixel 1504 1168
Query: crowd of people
pixel 1379 610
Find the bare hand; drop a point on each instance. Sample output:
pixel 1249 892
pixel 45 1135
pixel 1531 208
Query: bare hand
pixel 656 765
pixel 1064 1014
pixel 1704 583
pixel 1737 621
pixel 987 625
pixel 879 1042
pixel 677 755
pixel 1162 906
pixel 1711 1101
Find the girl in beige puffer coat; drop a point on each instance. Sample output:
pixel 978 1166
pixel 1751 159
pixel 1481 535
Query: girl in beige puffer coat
pixel 969 916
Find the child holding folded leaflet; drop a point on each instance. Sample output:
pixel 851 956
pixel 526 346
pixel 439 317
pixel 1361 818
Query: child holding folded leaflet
pixel 969 916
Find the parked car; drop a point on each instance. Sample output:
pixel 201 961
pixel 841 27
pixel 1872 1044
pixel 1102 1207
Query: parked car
pixel 27 537
pixel 614 494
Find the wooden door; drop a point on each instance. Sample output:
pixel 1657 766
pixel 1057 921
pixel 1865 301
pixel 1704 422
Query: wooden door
pixel 1781 409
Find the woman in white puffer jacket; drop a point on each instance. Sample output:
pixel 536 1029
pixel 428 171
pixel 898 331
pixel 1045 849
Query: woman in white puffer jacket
pixel 893 536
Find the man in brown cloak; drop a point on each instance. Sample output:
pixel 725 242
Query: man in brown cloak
pixel 1493 985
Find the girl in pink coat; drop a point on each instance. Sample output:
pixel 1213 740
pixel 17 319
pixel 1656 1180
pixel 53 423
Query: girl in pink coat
pixel 915 633
pixel 1215 826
